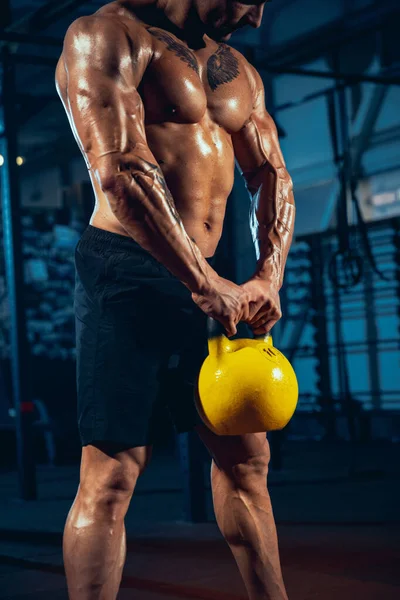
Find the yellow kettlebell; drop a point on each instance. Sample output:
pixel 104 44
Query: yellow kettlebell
pixel 245 385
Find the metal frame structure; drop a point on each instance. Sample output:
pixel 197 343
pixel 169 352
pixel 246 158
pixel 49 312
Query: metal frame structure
pixel 15 277
pixel 20 360
pixel 325 299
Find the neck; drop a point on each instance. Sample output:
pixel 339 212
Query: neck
pixel 182 15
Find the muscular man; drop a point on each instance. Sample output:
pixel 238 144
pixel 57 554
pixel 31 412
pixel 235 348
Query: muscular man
pixel 161 107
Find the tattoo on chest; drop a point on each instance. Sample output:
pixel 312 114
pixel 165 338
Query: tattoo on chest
pixel 222 67
pixel 178 49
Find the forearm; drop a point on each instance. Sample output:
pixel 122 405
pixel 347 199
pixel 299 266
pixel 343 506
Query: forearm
pixel 141 201
pixel 273 217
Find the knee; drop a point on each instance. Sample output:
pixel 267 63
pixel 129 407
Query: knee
pixel 107 483
pixel 107 492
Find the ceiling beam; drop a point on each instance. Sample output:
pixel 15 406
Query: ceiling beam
pixel 300 49
pixel 47 14
pixel 310 46
pixel 349 78
pixel 24 98
pixel 16 37
pixel 39 61
pixel 5 14
pixel 24 32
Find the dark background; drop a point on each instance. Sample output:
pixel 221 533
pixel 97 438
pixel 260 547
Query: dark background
pixel 331 72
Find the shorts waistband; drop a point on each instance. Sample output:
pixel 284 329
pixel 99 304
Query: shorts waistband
pixel 109 240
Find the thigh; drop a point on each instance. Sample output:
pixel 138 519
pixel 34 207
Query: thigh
pixel 109 461
pixel 118 362
pixel 180 382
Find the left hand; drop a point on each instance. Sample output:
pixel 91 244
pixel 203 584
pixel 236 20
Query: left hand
pixel 264 304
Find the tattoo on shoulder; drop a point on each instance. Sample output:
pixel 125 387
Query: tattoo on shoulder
pixel 222 67
pixel 178 49
pixel 159 176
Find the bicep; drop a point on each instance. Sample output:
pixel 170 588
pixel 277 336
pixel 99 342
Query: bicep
pixel 257 143
pixel 105 108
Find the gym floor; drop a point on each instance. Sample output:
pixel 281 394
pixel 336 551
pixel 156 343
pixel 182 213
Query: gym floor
pixel 339 537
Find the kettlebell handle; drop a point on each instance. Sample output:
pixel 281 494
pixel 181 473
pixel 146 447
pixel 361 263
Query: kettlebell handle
pixel 215 329
pixel 264 337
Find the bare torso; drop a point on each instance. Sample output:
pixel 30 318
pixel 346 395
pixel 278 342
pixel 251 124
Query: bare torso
pixel 194 101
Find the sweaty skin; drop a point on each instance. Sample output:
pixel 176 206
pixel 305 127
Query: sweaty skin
pixel 159 124
pixel 160 120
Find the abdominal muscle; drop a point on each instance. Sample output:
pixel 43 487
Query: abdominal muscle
pixel 199 173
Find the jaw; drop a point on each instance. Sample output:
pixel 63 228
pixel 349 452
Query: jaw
pixel 219 35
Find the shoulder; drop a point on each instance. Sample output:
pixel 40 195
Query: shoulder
pixel 253 76
pixel 108 44
pixel 104 31
pixel 92 26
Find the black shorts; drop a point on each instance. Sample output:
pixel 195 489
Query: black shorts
pixel 140 340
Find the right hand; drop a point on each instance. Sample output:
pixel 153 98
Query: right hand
pixel 226 302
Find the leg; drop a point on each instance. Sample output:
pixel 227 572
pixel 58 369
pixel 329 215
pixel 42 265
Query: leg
pixel 243 509
pixel 94 545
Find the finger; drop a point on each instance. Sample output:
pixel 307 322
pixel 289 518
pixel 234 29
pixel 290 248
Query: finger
pixel 245 313
pixel 263 330
pixel 261 319
pixel 143 179
pixel 231 328
pixel 266 328
pixel 267 314
pixel 254 308
pixel 228 325
pixel 141 182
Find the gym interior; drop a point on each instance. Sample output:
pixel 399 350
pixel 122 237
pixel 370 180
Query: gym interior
pixel 331 72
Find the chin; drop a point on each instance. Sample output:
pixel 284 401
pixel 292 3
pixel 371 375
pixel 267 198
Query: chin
pixel 219 36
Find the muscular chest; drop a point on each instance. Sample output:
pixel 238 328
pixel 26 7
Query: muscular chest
pixel 181 85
